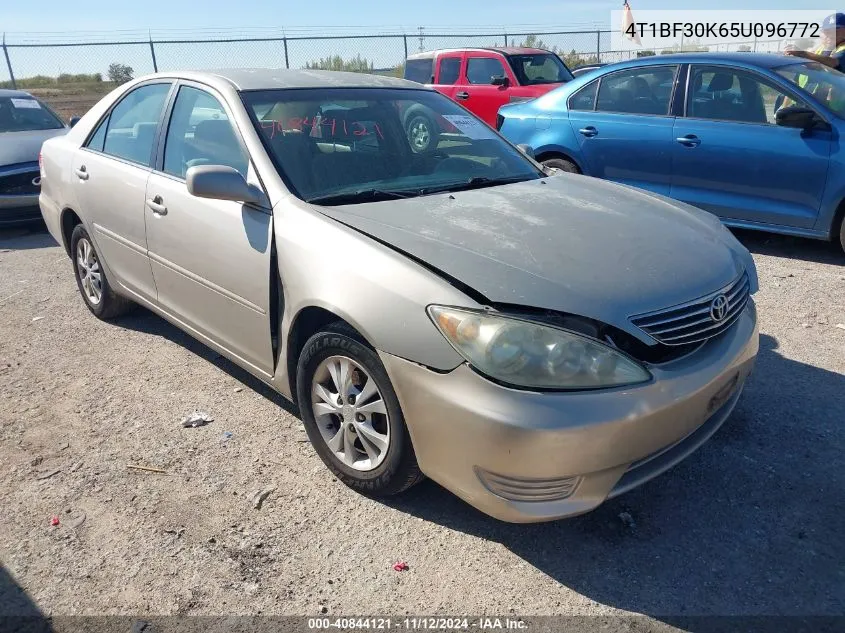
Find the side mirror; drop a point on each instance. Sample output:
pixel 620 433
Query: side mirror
pixel 526 149
pixel 74 120
pixel 497 80
pixel 222 183
pixel 799 117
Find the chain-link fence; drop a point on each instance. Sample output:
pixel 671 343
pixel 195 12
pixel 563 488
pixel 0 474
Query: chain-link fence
pixel 72 76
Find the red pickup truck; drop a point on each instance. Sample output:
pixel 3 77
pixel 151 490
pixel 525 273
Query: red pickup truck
pixel 484 79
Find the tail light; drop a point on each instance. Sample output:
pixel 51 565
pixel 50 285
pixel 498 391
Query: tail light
pixel 499 121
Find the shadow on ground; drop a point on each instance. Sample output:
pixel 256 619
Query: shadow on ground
pixel 789 247
pixel 27 237
pixel 748 525
pixel 18 611
pixel 143 320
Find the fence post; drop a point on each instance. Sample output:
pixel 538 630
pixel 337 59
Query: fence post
pixel 285 42
pixel 598 46
pixel 405 43
pixel 153 53
pixel 8 62
pixel 506 39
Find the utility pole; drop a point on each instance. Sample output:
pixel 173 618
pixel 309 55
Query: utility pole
pixel 422 38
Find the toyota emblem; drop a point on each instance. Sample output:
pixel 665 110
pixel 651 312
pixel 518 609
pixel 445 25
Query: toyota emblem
pixel 719 308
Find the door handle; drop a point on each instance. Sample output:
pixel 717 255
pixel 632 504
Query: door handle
pixel 589 131
pixel 81 173
pixel 463 95
pixel 156 205
pixel 690 140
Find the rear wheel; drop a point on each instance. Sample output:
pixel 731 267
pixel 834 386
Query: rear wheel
pixel 91 279
pixel 352 415
pixel 564 164
pixel 842 233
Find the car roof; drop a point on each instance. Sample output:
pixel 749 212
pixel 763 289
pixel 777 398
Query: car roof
pixel 504 50
pixel 762 60
pixel 4 92
pixel 272 78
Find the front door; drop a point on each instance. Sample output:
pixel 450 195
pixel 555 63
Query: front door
pixel 624 127
pixel 731 158
pixel 210 258
pixel 109 176
pixel 477 93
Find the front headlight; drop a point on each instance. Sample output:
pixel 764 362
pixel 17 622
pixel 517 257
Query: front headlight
pixel 527 354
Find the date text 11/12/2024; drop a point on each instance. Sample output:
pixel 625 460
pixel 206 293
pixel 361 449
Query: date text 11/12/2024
pixel 418 623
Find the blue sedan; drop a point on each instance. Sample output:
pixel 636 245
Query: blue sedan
pixel 753 138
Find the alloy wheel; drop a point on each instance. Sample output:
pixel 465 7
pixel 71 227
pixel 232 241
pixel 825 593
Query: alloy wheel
pixel 350 413
pixel 88 269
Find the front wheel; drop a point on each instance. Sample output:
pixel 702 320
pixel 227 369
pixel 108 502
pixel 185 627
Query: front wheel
pixel 352 415
pixel 420 131
pixel 564 164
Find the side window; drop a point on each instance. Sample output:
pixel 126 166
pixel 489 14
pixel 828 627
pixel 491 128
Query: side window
pixel 99 136
pixel 419 70
pixel 450 68
pixel 480 70
pixel 725 94
pixel 637 91
pixel 200 133
pixel 133 123
pixel 584 99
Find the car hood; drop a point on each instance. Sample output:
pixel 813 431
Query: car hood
pixel 567 243
pixel 23 147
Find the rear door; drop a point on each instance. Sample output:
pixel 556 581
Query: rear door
pixel 731 158
pixel 623 124
pixel 109 175
pixel 477 93
pixel 210 258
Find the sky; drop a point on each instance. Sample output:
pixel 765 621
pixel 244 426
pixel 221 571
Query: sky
pixel 62 16
pixel 42 21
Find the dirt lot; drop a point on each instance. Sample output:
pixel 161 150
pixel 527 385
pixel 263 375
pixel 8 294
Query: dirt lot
pixel 750 524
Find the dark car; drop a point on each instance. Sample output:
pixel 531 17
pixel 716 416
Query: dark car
pixel 25 123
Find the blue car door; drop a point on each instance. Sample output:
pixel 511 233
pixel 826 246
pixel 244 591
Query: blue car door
pixel 626 134
pixel 732 159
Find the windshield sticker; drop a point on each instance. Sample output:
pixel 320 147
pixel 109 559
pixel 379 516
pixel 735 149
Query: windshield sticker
pixel 322 127
pixel 31 104
pixel 470 126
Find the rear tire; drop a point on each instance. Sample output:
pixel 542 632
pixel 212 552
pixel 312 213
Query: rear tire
pixel 564 164
pixel 842 233
pixel 91 279
pixel 355 424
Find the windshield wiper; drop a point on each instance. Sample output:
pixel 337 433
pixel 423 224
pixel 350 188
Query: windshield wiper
pixel 477 182
pixel 363 195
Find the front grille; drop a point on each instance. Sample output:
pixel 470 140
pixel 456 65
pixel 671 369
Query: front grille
pixel 694 321
pixel 19 183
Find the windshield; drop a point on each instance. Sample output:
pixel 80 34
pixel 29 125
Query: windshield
pixel 345 145
pixel 542 68
pixel 824 83
pixel 23 113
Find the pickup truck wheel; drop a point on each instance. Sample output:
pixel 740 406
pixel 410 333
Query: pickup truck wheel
pixel 91 279
pixel 564 164
pixel 352 415
pixel 420 131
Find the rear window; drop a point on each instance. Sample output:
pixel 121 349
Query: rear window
pixel 23 113
pixel 419 70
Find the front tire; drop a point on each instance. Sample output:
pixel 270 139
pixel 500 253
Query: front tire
pixel 564 164
pixel 91 279
pixel 352 415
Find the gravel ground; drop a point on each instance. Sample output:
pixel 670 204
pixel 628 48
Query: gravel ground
pixel 750 524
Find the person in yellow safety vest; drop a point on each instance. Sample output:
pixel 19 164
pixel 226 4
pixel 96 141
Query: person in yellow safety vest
pixel 832 51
